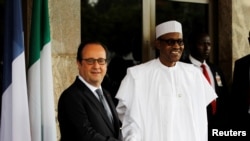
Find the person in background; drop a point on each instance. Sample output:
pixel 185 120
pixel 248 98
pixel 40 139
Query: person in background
pixel 164 99
pixel 199 49
pixel 85 110
pixel 240 100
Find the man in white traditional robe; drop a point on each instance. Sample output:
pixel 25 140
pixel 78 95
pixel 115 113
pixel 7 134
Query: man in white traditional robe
pixel 164 99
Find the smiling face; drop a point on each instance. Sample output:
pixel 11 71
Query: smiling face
pixel 170 53
pixel 92 72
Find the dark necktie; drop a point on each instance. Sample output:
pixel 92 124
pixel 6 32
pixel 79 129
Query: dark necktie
pixel 104 104
pixel 205 73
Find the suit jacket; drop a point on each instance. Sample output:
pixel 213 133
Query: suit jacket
pixel 220 119
pixel 241 90
pixel 82 117
pixel 222 92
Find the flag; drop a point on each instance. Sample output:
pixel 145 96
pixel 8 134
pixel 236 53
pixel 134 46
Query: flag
pixel 40 82
pixel 15 124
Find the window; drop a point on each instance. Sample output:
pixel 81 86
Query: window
pixel 117 23
pixel 127 26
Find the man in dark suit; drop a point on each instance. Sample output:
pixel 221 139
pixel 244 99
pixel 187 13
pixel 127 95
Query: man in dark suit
pixel 200 47
pixel 84 114
pixel 240 100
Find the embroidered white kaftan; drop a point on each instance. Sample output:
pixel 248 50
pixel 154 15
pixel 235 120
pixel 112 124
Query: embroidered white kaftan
pixel 159 103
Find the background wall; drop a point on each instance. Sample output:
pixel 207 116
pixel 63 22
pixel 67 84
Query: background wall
pixel 240 28
pixel 65 33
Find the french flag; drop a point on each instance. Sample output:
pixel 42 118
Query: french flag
pixel 15 123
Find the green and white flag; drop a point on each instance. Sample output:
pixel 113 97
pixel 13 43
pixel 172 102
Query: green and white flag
pixel 40 82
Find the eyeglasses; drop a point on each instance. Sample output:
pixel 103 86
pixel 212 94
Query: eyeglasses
pixel 91 61
pixel 172 42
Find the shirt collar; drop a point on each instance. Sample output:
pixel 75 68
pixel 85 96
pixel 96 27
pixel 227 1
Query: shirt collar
pixel 92 88
pixel 166 67
pixel 196 62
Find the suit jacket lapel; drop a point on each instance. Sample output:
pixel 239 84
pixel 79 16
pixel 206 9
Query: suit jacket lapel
pixel 95 102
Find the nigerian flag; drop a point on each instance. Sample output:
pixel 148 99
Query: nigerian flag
pixel 40 82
